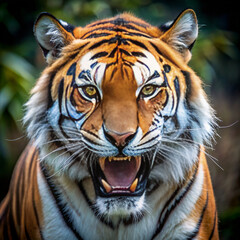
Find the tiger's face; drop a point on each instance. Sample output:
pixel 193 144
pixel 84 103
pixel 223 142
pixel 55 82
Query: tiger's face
pixel 118 110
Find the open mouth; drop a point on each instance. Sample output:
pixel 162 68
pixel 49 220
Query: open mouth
pixel 120 176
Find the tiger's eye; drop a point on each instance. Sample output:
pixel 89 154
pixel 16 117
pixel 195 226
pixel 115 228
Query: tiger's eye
pixel 90 91
pixel 148 90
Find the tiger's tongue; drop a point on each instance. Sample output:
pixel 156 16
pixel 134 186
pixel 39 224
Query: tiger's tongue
pixel 121 173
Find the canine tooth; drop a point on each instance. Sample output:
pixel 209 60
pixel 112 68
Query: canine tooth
pixel 134 185
pixel 110 159
pixel 107 187
pixel 102 163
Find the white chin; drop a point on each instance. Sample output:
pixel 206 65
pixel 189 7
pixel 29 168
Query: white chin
pixel 121 206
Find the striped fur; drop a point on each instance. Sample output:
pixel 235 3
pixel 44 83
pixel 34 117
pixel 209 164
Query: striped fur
pixel 144 102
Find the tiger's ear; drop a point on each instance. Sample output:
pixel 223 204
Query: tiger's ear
pixel 52 35
pixel 181 34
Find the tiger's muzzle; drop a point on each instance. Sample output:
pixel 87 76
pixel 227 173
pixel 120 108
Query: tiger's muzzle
pixel 120 175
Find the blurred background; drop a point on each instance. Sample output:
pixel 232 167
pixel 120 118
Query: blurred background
pixel 216 56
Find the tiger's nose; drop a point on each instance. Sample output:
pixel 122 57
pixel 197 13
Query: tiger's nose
pixel 119 139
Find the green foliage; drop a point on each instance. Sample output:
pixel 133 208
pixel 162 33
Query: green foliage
pixel 17 76
pixel 211 54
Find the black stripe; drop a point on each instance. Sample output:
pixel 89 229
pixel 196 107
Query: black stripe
pixel 103 29
pixel 125 52
pixel 129 26
pixel 188 86
pixel 166 101
pixel 214 226
pixel 97 35
pixel 60 94
pixel 87 141
pixel 128 63
pixel 132 219
pixel 94 209
pixel 112 73
pixel 175 121
pixel 111 55
pixel 93 65
pixel 165 83
pixel 11 225
pixel 177 89
pixel 116 39
pixel 36 215
pixel 61 206
pixel 26 234
pixel 147 133
pixel 91 133
pixel 156 48
pixel 161 222
pixel 196 230
pixel 84 45
pixel 137 34
pixel 150 140
pixel 126 73
pixel 119 39
pixel 98 44
pixel 142 45
pixel 149 148
pixel 138 54
pixel 98 55
pixel 20 181
pixel 154 75
pixel 72 70
pixel 144 64
pixel 112 63
pixel 5 232
pixel 60 123
pixel 50 100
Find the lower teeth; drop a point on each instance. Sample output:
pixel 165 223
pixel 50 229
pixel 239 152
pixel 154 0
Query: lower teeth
pixel 108 188
pixel 134 185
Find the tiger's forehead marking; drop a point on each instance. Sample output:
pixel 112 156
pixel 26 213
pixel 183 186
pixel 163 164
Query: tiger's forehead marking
pixel 95 69
pixel 146 69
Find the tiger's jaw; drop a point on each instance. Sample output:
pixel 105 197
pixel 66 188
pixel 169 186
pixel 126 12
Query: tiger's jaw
pixel 120 185
pixel 120 176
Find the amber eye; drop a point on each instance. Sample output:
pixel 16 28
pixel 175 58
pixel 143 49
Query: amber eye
pixel 148 90
pixel 90 91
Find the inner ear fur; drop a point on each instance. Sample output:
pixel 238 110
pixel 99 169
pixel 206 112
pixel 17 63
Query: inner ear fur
pixel 52 35
pixel 182 33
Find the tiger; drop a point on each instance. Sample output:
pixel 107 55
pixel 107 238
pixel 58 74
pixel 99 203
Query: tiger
pixel 118 126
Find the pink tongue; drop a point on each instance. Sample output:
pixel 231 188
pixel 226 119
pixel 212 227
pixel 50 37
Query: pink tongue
pixel 120 173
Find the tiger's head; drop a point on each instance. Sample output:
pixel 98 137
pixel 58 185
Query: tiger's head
pixel 117 109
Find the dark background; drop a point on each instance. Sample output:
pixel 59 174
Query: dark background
pixel 216 56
